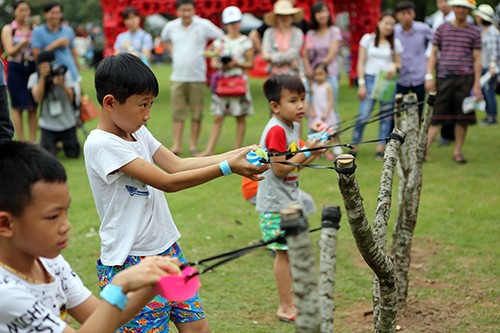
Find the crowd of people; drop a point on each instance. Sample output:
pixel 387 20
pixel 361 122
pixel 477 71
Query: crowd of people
pixel 129 170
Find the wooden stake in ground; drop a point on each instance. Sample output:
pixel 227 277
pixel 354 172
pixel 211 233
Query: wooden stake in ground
pixel 409 196
pixel 330 224
pixel 385 309
pixel 305 284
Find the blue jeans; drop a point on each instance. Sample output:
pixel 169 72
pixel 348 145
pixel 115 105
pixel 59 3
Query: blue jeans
pixel 490 96
pixel 366 107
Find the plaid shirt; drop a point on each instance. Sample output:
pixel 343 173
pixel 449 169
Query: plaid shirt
pixel 490 46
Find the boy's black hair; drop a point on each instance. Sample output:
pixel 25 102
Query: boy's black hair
pixel 277 83
pixel 404 5
pixel 49 5
pixel 122 76
pixel 21 166
pixel 179 3
pixel 130 11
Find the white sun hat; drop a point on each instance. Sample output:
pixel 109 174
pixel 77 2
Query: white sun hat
pixel 463 3
pixel 231 14
pixel 283 7
pixel 486 12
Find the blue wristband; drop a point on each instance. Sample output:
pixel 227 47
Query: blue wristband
pixel 307 154
pixel 114 295
pixel 225 168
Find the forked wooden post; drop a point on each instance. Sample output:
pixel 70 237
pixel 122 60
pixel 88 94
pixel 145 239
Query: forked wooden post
pixel 376 258
pixel 301 256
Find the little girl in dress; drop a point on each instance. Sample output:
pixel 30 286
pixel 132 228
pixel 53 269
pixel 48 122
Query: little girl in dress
pixel 321 108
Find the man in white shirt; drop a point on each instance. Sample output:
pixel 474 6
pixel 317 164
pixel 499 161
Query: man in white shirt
pixel 186 38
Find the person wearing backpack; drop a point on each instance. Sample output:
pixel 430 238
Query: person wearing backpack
pixel 20 64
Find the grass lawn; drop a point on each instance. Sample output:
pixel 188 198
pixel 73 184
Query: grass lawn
pixel 455 268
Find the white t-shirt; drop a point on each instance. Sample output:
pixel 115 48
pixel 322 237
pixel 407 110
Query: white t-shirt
pixel 378 58
pixel 188 47
pixel 135 217
pixel 26 307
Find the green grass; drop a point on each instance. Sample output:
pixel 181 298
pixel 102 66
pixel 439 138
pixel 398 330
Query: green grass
pixel 458 213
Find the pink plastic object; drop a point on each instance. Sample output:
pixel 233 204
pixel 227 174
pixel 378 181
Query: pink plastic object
pixel 179 288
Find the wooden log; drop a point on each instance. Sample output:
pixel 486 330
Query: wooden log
pixel 301 256
pixel 330 224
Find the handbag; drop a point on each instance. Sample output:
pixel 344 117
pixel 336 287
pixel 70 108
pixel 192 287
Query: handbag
pixel 88 110
pixel 231 86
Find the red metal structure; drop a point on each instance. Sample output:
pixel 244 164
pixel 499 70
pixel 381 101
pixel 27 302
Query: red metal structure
pixel 363 14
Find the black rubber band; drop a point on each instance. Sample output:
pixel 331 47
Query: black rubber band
pixel 396 136
pixel 345 171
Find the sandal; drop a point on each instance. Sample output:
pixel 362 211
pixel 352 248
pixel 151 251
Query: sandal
pixel 459 159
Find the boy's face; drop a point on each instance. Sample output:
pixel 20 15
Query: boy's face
pixel 185 12
pixel 133 114
pixel 291 107
pixel 42 230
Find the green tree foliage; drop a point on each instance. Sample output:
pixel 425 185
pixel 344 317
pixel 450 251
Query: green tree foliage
pixel 75 12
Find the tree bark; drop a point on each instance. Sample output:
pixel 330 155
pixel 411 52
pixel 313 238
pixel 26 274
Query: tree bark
pixel 381 264
pixel 305 284
pixel 410 196
pixel 330 224
pixel 383 210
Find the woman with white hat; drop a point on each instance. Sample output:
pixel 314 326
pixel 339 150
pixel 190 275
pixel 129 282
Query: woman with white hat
pixel 235 55
pixel 490 53
pixel 282 42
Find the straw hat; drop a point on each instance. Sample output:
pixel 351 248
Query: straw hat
pixel 283 7
pixel 486 12
pixel 463 3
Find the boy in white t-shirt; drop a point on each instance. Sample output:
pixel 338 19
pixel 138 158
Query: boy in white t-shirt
pixel 129 170
pixel 38 288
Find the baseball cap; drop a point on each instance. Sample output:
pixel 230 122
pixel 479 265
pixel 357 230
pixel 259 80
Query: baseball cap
pixel 231 14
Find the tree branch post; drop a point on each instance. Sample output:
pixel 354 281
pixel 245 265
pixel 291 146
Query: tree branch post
pixel 330 224
pixel 403 233
pixel 305 284
pixel 383 211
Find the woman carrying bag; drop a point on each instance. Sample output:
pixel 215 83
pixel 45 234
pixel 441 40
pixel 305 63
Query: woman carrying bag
pixel 233 56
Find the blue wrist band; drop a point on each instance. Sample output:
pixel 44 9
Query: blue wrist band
pixel 225 168
pixel 307 154
pixel 114 295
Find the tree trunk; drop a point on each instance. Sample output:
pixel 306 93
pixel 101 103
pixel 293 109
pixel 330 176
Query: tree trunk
pixel 330 224
pixel 383 210
pixel 403 234
pixel 381 264
pixel 305 284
